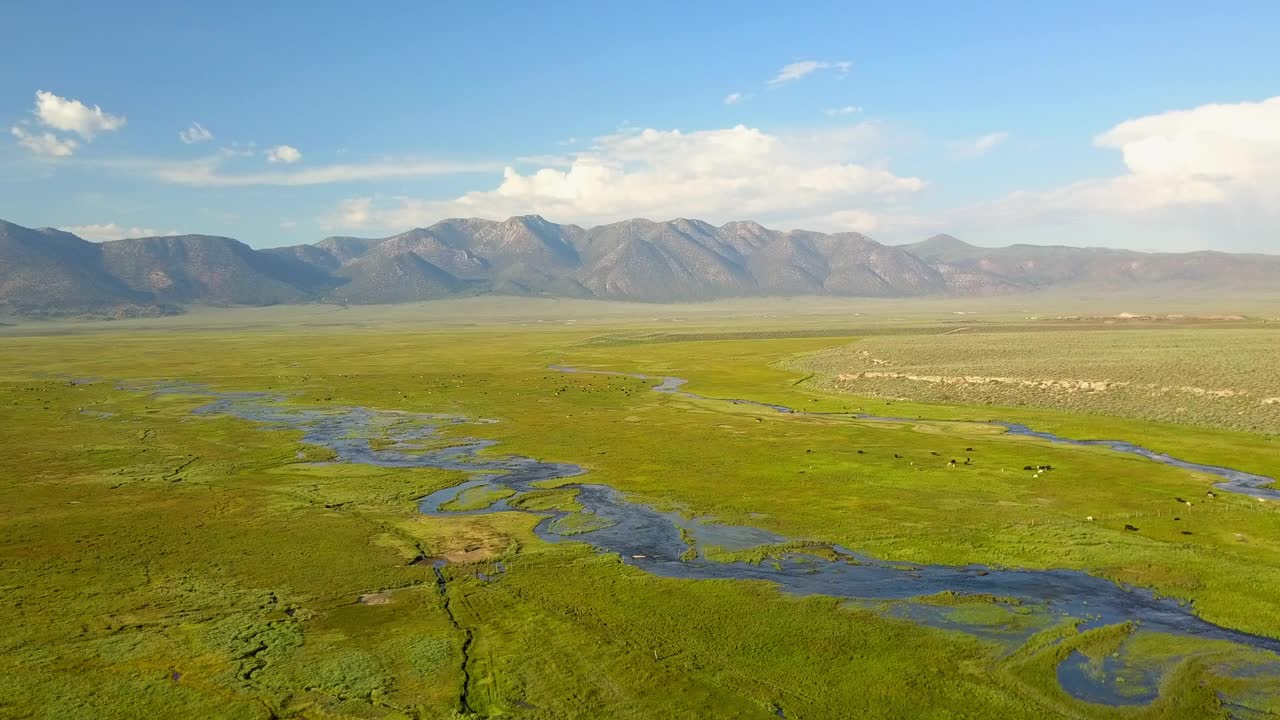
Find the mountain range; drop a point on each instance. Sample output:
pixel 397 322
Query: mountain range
pixel 46 272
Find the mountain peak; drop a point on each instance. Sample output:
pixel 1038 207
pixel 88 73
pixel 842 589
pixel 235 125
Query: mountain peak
pixel 943 247
pixel 527 220
pixel 945 240
pixel 47 272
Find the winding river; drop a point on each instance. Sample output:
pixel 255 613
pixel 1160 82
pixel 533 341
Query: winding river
pixel 669 545
pixel 1236 481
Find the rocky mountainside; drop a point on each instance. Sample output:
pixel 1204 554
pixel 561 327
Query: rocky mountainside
pixel 1044 266
pixel 47 272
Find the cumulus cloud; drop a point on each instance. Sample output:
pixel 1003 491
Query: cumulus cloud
pixel 1199 173
pixel 197 133
pixel 69 115
pixel 46 144
pixel 283 154
pixel 722 174
pixel 59 113
pixel 734 98
pixel 112 231
pixel 794 71
pixel 1209 155
pixel 846 110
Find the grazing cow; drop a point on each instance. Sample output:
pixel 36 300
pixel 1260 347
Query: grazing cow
pixel 952 463
pixel 1130 528
pixel 1179 499
pixel 932 452
pixel 1088 518
pixel 1027 467
pixel 861 452
pixel 968 449
pixel 897 456
pixel 1211 494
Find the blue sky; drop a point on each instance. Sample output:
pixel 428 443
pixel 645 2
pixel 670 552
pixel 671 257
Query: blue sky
pixel 1148 125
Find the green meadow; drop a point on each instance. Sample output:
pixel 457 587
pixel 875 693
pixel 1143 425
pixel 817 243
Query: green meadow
pixel 1219 375
pixel 155 562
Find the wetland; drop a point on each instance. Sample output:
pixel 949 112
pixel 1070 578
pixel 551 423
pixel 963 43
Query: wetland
pixel 451 523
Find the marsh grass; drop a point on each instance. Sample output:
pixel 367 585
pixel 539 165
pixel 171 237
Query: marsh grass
pixel 476 498
pixel 141 540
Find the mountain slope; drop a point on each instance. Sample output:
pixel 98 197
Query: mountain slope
pixel 48 272
pixel 943 248
pixel 1046 266
pixel 644 260
pixel 208 269
pixel 394 278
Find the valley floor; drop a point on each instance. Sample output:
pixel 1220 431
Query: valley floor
pixel 160 561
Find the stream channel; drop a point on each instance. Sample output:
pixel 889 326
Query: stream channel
pixel 652 540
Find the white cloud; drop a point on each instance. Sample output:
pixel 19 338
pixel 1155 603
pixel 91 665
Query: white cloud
pixel 734 98
pixel 723 174
pixel 978 147
pixel 239 149
pixel 284 154
pixel 59 113
pixel 44 143
pixel 68 115
pixel 112 231
pixel 1209 154
pixel 209 172
pixel 802 68
pixel 1209 175
pixel 854 220
pixel 197 133
pixel 355 212
pixel 288 224
pixel 846 110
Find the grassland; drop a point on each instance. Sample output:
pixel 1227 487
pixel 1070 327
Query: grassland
pixel 159 563
pixel 1219 377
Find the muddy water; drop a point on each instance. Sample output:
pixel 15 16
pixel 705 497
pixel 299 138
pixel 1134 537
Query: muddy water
pixel 651 540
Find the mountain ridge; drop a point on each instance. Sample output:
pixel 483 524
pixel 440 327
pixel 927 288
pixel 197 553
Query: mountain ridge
pixel 48 272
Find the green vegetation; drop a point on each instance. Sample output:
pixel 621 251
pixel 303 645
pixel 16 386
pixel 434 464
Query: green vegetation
pixel 774 553
pixel 476 498
pixel 578 523
pixel 1217 378
pixel 156 562
pixel 545 500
